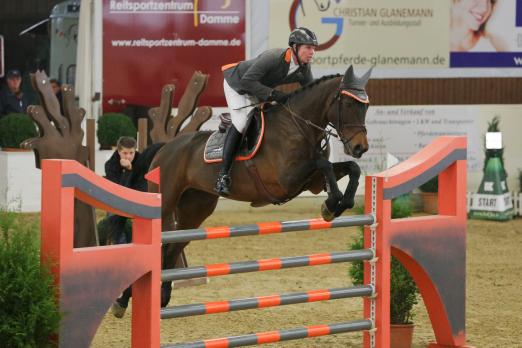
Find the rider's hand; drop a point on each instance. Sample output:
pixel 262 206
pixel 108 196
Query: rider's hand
pixel 278 96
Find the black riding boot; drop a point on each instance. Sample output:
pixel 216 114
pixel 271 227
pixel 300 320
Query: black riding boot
pixel 230 149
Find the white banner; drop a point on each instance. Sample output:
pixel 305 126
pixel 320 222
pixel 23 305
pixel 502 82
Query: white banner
pixel 404 130
pixel 402 38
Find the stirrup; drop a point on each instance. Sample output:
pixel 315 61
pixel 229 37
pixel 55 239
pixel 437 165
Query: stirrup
pixel 223 185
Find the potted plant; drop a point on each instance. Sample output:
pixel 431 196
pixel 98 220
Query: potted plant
pixel 111 127
pixel 429 194
pixel 403 291
pixel 28 302
pixel 14 129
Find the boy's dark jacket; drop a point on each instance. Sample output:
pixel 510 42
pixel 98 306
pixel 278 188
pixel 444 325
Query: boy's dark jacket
pixel 135 178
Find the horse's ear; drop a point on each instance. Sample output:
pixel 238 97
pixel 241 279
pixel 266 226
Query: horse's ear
pixel 366 77
pixel 349 76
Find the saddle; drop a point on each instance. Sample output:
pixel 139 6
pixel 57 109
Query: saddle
pixel 250 143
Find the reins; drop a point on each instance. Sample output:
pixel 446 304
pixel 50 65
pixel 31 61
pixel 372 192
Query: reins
pixel 307 122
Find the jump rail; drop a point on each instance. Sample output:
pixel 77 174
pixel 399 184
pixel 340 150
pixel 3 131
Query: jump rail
pixel 266 265
pixel 264 301
pixel 432 248
pixel 279 336
pixel 263 228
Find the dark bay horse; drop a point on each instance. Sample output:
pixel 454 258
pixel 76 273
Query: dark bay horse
pixel 289 161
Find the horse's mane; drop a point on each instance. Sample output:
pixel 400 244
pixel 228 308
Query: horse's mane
pixel 313 84
pixel 306 87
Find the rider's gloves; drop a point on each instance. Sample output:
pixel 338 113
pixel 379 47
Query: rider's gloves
pixel 278 96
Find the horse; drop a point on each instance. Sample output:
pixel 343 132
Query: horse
pixel 290 160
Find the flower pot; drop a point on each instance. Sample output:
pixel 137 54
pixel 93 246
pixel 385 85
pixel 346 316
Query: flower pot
pixel 20 181
pixel 430 202
pixel 401 336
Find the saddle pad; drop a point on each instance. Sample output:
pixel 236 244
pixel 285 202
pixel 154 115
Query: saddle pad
pixel 213 152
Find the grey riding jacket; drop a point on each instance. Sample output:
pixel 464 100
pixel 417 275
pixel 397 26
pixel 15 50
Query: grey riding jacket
pixel 258 76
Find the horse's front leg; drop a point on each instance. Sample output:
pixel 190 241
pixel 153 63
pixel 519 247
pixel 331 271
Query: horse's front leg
pixel 353 171
pixel 329 206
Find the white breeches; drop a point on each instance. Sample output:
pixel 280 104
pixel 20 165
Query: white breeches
pixel 235 101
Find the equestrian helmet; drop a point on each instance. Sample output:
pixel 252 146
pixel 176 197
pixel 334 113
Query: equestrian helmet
pixel 302 36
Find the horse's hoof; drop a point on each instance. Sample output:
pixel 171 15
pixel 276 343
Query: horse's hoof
pixel 117 310
pixel 326 213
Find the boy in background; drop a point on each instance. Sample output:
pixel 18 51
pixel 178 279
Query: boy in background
pixel 126 167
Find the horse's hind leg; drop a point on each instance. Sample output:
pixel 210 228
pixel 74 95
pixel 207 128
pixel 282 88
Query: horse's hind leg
pixel 192 209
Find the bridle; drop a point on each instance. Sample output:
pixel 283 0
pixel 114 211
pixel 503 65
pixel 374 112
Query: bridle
pixel 340 125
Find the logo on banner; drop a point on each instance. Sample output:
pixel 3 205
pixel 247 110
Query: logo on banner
pixel 215 17
pixel 320 6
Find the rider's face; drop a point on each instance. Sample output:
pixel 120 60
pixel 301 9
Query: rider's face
pixel 306 53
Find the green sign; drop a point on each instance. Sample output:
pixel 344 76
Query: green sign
pixel 493 199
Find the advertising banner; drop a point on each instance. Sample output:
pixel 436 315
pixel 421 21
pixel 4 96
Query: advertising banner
pixel 407 38
pixel 402 131
pixel 150 43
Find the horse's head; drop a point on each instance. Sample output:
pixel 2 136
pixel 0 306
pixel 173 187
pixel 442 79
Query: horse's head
pixel 349 112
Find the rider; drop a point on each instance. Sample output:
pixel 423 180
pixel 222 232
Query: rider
pixel 251 81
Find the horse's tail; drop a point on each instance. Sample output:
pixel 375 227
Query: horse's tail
pixel 149 153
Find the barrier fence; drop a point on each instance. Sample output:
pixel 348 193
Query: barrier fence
pixel 432 248
pixel 266 265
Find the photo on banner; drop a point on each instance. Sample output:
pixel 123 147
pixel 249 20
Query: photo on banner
pixel 486 33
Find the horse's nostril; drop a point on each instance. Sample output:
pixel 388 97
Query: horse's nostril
pixel 358 150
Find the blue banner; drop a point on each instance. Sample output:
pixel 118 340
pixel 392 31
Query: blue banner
pixel 486 59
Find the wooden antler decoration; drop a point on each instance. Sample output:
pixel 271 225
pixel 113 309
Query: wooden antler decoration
pixel 165 127
pixel 61 137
